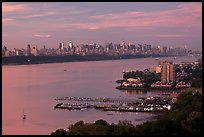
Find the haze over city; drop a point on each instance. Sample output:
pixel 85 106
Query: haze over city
pixel 173 24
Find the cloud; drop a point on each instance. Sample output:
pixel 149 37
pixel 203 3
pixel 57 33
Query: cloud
pixel 6 20
pixel 13 7
pixel 169 35
pixel 39 15
pixel 71 17
pixel 42 36
pixel 183 14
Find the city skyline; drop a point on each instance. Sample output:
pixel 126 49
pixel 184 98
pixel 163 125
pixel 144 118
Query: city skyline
pixel 173 24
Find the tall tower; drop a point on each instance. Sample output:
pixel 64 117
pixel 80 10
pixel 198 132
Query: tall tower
pixel 70 44
pixel 167 72
pixel 61 46
pixel 28 50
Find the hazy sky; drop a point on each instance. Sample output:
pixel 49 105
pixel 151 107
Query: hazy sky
pixel 48 23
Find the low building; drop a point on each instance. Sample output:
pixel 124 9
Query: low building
pixel 159 84
pixel 182 84
pixel 133 80
pixel 125 84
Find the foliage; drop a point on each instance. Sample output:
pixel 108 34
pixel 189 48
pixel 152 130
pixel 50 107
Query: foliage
pixel 194 74
pixel 185 118
pixel 59 132
pixel 147 77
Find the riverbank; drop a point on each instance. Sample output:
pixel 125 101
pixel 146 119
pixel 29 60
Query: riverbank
pixel 148 88
pixel 26 60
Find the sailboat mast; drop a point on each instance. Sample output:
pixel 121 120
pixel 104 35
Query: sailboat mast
pixel 24 116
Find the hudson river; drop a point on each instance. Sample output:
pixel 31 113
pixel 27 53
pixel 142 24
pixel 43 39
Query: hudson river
pixel 33 88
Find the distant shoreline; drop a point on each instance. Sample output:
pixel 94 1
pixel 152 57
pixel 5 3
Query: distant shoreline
pixel 27 60
pixel 148 88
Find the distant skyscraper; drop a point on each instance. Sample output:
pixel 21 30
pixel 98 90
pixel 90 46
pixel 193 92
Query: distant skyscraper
pixel 34 51
pixel 123 44
pixel 149 47
pixel 28 50
pixel 167 72
pixel 164 49
pixel 141 47
pixel 4 51
pixel 70 44
pixel 61 46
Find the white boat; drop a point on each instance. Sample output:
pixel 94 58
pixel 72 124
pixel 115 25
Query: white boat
pixel 82 109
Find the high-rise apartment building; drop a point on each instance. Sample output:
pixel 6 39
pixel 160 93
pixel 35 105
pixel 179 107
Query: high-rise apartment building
pixel 167 72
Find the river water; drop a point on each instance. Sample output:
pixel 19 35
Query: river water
pixel 33 88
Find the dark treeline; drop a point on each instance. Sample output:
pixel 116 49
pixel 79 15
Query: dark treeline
pixel 24 60
pixel 185 118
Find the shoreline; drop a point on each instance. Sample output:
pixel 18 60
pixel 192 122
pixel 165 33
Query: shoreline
pixel 28 60
pixel 147 88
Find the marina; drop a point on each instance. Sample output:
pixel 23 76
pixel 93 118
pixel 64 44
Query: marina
pixel 148 104
pixel 96 99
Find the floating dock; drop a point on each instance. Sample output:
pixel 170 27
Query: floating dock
pixel 113 104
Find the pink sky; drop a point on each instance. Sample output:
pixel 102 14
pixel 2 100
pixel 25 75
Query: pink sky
pixel 169 24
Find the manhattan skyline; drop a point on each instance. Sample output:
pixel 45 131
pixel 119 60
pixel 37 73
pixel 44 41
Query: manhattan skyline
pixel 173 24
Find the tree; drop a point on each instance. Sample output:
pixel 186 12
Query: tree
pixel 59 132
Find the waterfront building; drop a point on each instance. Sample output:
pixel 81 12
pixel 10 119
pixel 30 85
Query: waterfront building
pixel 133 80
pixel 167 72
pixel 183 84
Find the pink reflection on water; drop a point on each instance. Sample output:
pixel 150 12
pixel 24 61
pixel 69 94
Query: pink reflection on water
pixel 32 88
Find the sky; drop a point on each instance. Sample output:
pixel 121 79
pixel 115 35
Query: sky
pixel 173 24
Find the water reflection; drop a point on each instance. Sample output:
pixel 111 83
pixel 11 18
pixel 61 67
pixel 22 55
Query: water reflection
pixel 134 92
pixel 23 123
pixel 34 87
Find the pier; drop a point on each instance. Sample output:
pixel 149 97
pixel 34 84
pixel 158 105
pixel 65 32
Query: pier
pixel 96 99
